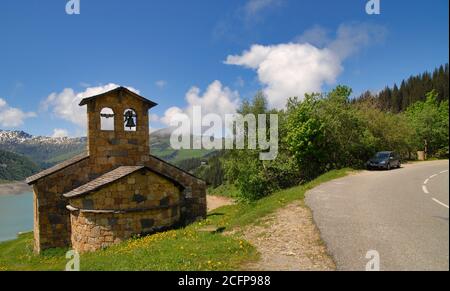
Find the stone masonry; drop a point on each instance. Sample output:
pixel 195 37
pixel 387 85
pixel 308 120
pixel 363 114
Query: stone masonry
pixel 154 195
pixel 139 203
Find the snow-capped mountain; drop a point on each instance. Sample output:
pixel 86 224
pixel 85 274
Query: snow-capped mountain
pixel 21 137
pixel 43 150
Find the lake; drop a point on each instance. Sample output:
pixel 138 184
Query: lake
pixel 16 215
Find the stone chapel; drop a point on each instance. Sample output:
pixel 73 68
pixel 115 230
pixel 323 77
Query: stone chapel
pixel 116 189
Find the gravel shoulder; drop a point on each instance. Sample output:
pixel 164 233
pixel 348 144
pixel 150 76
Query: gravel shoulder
pixel 288 240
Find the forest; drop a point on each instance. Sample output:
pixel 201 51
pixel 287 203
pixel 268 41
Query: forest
pixel 399 98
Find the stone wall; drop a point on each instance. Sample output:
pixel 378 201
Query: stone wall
pixel 137 204
pixel 94 231
pixel 194 195
pixel 51 218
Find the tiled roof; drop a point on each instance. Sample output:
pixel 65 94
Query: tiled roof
pixel 176 168
pixel 119 90
pixel 58 167
pixel 109 178
pixel 103 180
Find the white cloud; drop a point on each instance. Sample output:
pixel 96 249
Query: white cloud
pixel 65 105
pixel 289 70
pixel 173 113
pixel 161 83
pixel 11 116
pixel 216 99
pixel 254 7
pixel 316 36
pixel 59 132
pixel 293 69
pixel 350 38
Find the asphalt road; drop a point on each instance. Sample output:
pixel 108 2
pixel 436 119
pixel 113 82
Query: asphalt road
pixel 401 214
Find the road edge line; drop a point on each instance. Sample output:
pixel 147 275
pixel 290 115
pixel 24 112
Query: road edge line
pixel 439 202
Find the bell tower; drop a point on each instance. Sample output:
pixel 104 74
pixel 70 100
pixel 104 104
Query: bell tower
pixel 118 129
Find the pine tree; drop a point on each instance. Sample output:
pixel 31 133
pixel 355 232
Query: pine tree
pixel 413 89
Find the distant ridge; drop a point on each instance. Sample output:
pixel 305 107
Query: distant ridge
pixel 47 151
pixel 42 150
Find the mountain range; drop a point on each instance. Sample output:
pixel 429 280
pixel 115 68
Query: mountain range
pixel 43 152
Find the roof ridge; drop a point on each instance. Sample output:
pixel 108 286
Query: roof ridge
pixel 177 168
pixel 86 100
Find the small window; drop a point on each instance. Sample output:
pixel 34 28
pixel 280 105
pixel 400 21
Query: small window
pixel 130 120
pixel 107 119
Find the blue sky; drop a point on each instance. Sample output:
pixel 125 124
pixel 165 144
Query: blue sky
pixel 200 52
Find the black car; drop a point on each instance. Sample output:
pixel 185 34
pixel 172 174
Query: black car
pixel 384 160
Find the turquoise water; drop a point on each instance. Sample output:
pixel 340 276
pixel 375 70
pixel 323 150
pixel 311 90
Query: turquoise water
pixel 16 215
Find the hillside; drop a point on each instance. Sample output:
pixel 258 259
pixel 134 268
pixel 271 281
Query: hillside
pixel 160 147
pixel 14 167
pixel 44 151
pixel 48 151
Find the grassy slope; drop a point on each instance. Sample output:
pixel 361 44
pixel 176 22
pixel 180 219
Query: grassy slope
pixel 182 249
pixel 245 214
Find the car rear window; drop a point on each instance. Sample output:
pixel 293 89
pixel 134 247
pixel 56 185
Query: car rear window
pixel 382 155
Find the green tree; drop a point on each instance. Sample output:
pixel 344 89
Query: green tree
pixel 305 135
pixel 255 178
pixel 344 129
pixel 325 132
pixel 384 130
pixel 429 120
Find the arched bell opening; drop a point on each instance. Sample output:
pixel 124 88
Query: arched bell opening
pixel 107 119
pixel 130 120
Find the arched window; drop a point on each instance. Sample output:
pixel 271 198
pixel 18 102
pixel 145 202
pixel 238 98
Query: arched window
pixel 107 119
pixel 130 120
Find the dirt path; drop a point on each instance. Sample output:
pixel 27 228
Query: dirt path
pixel 288 240
pixel 214 202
